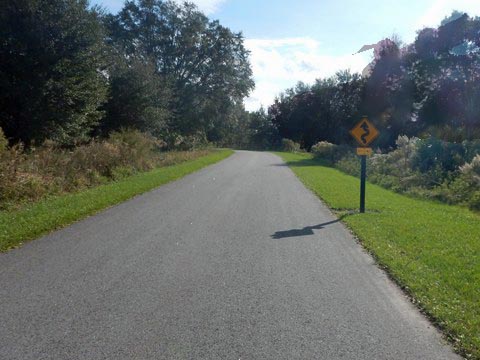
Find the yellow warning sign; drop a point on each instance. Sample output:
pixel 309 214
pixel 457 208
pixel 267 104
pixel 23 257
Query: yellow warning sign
pixel 364 132
pixel 364 151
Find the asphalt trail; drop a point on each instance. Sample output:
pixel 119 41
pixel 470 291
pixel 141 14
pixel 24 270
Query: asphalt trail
pixel 236 261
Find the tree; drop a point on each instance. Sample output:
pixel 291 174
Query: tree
pixel 430 87
pixel 262 133
pixel 52 79
pixel 321 112
pixel 206 63
pixel 388 96
pixel 138 98
pixel 446 72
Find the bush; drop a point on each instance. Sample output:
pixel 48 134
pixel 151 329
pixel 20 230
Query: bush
pixel 471 171
pixel 430 169
pixel 464 188
pixel 330 152
pixel 324 150
pixel 472 149
pixel 28 175
pixel 3 142
pixel 434 153
pixel 136 149
pixel 349 164
pixel 290 145
pixel 191 142
pixel 474 203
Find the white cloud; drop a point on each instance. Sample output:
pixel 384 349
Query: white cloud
pixel 207 6
pixel 443 8
pixel 278 64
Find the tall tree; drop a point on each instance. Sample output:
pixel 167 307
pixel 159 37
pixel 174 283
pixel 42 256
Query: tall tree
pixel 138 98
pixel 206 62
pixel 51 70
pixel 446 71
pixel 262 133
pixel 321 112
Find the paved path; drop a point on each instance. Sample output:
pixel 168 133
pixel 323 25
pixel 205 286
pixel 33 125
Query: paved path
pixel 236 261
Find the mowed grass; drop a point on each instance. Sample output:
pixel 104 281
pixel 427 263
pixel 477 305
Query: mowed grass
pixel 33 220
pixel 432 250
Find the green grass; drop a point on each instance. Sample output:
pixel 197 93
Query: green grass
pixel 432 250
pixel 36 219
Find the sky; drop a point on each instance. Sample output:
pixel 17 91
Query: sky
pixel 302 40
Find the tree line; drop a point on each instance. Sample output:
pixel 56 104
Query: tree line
pixel 430 88
pixel 70 72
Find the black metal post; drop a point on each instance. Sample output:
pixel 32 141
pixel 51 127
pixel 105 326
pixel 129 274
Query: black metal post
pixel 363 176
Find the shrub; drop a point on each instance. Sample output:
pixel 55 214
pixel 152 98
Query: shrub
pixel 399 161
pixel 191 142
pixel 122 172
pixel 474 203
pixel 330 152
pixel 136 148
pixel 458 191
pixel 434 153
pixel 464 187
pixel 51 169
pixel 324 150
pixel 3 142
pixel 349 164
pixel 395 170
pixel 471 171
pixel 472 149
pixel 290 145
pixel 396 163
pixel 400 170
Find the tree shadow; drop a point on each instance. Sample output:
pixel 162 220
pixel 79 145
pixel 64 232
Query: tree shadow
pixel 308 230
pixel 305 162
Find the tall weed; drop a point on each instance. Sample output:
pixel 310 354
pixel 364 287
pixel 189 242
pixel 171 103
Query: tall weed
pixel 29 175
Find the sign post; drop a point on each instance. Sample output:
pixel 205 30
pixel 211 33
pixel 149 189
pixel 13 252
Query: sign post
pixel 363 180
pixel 364 132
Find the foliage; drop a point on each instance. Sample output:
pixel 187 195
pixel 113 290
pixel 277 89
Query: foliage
pixel 30 175
pixel 330 152
pixel 262 133
pixel 427 168
pixel 430 168
pixel 430 88
pixel 253 130
pixel 324 150
pixel 474 202
pixel 205 62
pixel 71 72
pixel 431 249
pixel 323 112
pixel 191 142
pixel 434 154
pixel 349 164
pixel 470 179
pixel 290 145
pixel 3 143
pixel 471 171
pixel 52 82
pixel 35 219
pixel 138 98
pixel 394 170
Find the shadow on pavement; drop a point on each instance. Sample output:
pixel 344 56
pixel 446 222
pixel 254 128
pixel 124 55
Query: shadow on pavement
pixel 304 162
pixel 302 232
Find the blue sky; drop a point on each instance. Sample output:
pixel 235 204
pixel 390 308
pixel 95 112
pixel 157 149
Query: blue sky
pixel 302 40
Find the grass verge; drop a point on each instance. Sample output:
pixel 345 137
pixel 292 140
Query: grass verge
pixel 31 221
pixel 432 250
